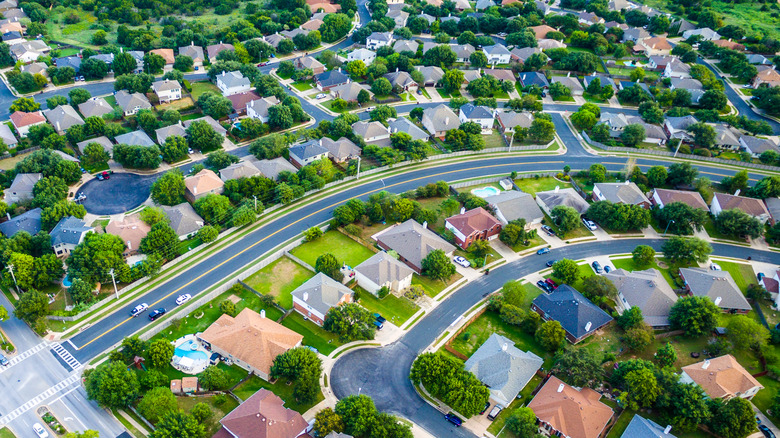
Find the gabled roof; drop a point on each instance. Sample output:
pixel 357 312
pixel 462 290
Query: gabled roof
pixel 208 119
pixel 135 138
pixel 724 135
pixel 382 268
pixel 193 51
pixel 183 218
pixel 603 80
pixel 759 145
pixel 274 39
pixel 431 74
pixel 381 36
pixel 7 136
pixel 169 131
pixel 233 79
pixel 128 101
pixel 626 193
pixel 541 31
pixel 321 293
pixel 534 78
pixel 202 182
pixel 680 123
pixel 69 230
pixel 242 169
pixel 166 54
pixel 400 79
pixel 641 427
pixel 331 78
pixel 471 111
pixel 511 119
pixel 108 146
pixel 752 206
pixel 442 117
pixel 503 368
pixel 96 106
pixel 261 106
pixel 496 50
pixel 647 290
pixel 692 199
pixel 577 315
pixel 514 205
pixel 166 85
pixel 473 221
pixel 567 196
pixel 501 74
pixel 131 229
pixel 574 413
pixel 313 24
pixel 29 221
pixel 572 82
pixel 68 61
pixel 340 149
pixel 686 83
pixel 310 62
pixel 717 285
pixel 271 168
pixel 367 129
pixel 251 338
pixel 656 43
pixel 63 117
pixel 721 376
pixel 263 415
pixel 462 51
pixel 524 53
pixel 348 91
pixel 25 182
pixel 307 150
pixel 214 49
pixel 547 44
pixel 402 124
pixel 406 45
pixel 412 241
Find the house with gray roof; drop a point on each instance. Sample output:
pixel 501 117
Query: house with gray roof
pixel 108 146
pixel 406 46
pixel 399 16
pixel 13 37
pixel 35 68
pixel 208 119
pixel 725 136
pixel 603 80
pixel 429 18
pixel 503 368
pixel 62 118
pixel 372 132
pixel 568 196
pixel 95 106
pixel 635 34
pixel 194 52
pixel 73 62
pixel 29 221
pixel 348 92
pixel 167 90
pixel 272 168
pixel 329 79
pixel 773 207
pixel 67 234
pixel 534 78
pixel 641 427
pixel 705 33
pixel 274 39
pixel 412 242
pixel 318 295
pixel 365 55
pixel 340 150
pixel 29 51
pixel 214 49
pixel 572 83
pixel 439 120
pixel 400 80
pixel 135 138
pixel 483 4
pixel 402 124
pixel 497 54
pixel 431 75
pixel 677 69
pixel 677 127
pixel 183 218
pixel 383 270
pixel 462 51
pixel 108 58
pixel 578 316
pixel 620 193
pixel 232 82
pixel 509 120
pixel 242 169
pixel 471 75
pixel 680 26
pixel 757 145
pixel 755 58
pixel 307 153
pixel 7 136
pixel 177 129
pixel 139 60
pixel 21 189
pixel 511 205
pixel 428 45
pixel 647 290
pixel 481 115
pixel 522 54
pixel 717 286
pixel 131 103
pixel 258 109
pixel 379 39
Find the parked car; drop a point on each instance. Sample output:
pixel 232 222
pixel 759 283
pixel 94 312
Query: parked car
pixel 379 318
pixel 715 267
pixel 551 283
pixel 607 269
pixel 40 431
pixel 3 361
pixel 544 94
pixel 262 64
pixel 103 175
pixel 379 325
pixel 137 310
pixel 461 261
pixel 494 412
pixel 501 34
pixel 419 91
pixel 543 251
pixel 321 96
pixel 156 313
pixel 550 263
pixel 760 276
pixel 544 286
pixel 181 299
pixel 765 430
pixel 452 418
pixel 589 224
pixel 596 267
pixel 548 230
pixel 487 405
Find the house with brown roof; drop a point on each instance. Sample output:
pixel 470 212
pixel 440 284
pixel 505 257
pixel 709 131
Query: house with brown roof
pixel 250 340
pixel 131 230
pixel 767 76
pixel 728 44
pixel 412 242
pixel 751 206
pixel 722 377
pixel 655 46
pixel 262 415
pixel 664 197
pixel 240 101
pixel 541 31
pixel 475 224
pixel 201 184
pixel 24 121
pixel 167 55
pixel 562 409
pixel 310 62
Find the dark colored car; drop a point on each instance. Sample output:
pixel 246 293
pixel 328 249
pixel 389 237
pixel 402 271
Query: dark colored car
pixel 452 418
pixel 487 405
pixel 550 263
pixel 607 269
pixel 103 175
pixel 156 313
pixel 544 286
pixel 765 430
pixel 379 325
pixel 379 317
pixel 596 267
pixel 551 283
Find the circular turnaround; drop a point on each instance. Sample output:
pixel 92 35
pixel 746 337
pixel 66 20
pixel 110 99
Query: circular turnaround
pixel 121 193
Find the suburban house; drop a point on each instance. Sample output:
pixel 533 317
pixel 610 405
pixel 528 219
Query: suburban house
pixel 677 69
pixel 512 205
pixel 509 120
pixel 572 83
pixel 95 106
pixel 463 52
pixel 232 83
pixel 131 229
pixel 7 136
pixel 272 168
pixel 250 340
pixel 175 130
pixel 541 31
pixel 547 44
pixel 677 127
pixel 214 49
pixel 73 62
pixel 208 119
pixel 725 137
pixel 167 91
pixel 310 62
pixel 383 270
pixel 756 145
pixel 664 197
pixel 23 121
pixel 501 74
pixel 654 46
pixel 497 54
pixel 718 286
pixel 603 80
pixel 184 220
pixel 274 39
pixel 722 377
pixel 481 115
pixel 400 80
pixel 166 54
pixel 766 76
pixel 62 118
pixel 201 184
pixel 108 146
pixel 569 197
pixel 413 242
pixel 406 46
pixel 705 33
pixel 313 24
pixel 13 37
pixel 752 206
pixel 348 92
pixel 431 75
pixel 341 150
pixel 135 138
pixel 562 410
pixel 131 103
pixel 471 75
pixel 398 16
pixel 306 153
pixel 379 39
pixel 578 316
pixel 29 221
pixel 521 55
pixel 27 51
pixel 402 124
pixel 194 52
pixel 659 62
pixel 728 44
pixel 318 295
pixel 258 109
pixel 439 120
pixel 242 169
pixel 365 55
pixel 589 18
pixel 329 79
pixel 757 59
pixel 262 415
pixel 620 193
pixel 635 34
pixel 21 189
pixel 503 368
pixel 647 290
pixel 475 224
pixel 69 232
pixel 642 427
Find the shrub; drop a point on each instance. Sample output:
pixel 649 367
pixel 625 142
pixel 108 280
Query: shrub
pixel 353 230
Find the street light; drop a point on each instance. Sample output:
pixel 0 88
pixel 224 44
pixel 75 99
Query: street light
pixel 667 226
pixel 484 262
pixel 113 279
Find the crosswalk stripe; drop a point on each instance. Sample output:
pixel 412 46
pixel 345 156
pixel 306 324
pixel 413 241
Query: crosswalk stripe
pixel 39 398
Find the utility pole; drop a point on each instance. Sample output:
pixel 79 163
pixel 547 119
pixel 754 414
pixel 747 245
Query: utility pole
pixel 113 279
pixel 357 176
pixel 254 196
pixel 11 270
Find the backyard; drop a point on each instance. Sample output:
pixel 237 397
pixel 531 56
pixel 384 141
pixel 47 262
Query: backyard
pixel 533 185
pixel 220 406
pixel 280 388
pixel 201 87
pixel 279 279
pixel 313 335
pixel 345 249
pixel 395 309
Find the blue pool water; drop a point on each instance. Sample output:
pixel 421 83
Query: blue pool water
pixel 484 192
pixel 66 282
pixel 185 350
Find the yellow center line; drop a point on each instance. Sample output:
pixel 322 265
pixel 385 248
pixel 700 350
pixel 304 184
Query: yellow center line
pixel 302 219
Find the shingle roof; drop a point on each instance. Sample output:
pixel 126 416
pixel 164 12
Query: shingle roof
pixel 271 168
pixel 29 221
pixel 7 136
pixel 510 119
pixel 166 54
pixel 96 106
pixel 513 205
pixel 442 117
pixel 25 182
pixel 242 169
pixel 214 49
pixel 759 145
pixel 368 129
pixel 165 85
pixel 647 290
pixel 406 45
pixel 568 197
pixel 233 79
pixel 183 218
pixel 641 427
pixel 524 53
pixel 402 124
pixel 687 83
pixel 504 368
pixel 63 117
pixel 534 78
pixel 135 138
pixel 717 285
pixel 473 221
pixel 108 146
pixel 309 149
pixel 572 82
pixel 476 112
pixel 680 123
pixel 69 230
pixel 622 193
pixel 575 413
pixel 721 376
pixel 203 182
pixel 321 292
pixel 331 78
pixel 496 50
pixel 382 268
pixel 169 131
pixel 572 310
pixel 128 101
pixel 751 206
pixel 261 106
pixel 208 119
pixel 193 51
pixel 340 149
pixel 263 415
pixel 349 91
pixel 692 199
pixel 400 79
pixel 412 241
pixel 461 50
pixel 131 229
pixel 380 36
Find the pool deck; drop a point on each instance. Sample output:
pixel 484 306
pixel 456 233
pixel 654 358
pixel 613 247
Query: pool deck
pixel 196 366
pixel 482 191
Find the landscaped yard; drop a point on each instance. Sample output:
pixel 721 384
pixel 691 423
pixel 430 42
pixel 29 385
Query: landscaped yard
pixel 212 425
pixel 313 335
pixel 533 185
pixel 763 400
pixel 629 265
pixel 713 232
pixel 395 309
pixel 494 140
pixel 302 86
pixel 576 233
pixel 742 274
pixel 5 433
pixel 280 388
pixel 279 279
pixel 199 88
pixel 433 287
pixel 345 249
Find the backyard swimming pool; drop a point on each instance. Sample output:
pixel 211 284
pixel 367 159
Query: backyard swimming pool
pixel 485 192
pixel 186 350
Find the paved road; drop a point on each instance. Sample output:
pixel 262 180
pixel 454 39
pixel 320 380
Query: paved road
pixel 383 373
pixel 122 192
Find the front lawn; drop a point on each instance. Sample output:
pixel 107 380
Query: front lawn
pixel 302 86
pixel 395 309
pixel 201 87
pixel 742 274
pixel 532 243
pixel 713 232
pixel 279 279
pixel 5 433
pixel 433 287
pixel 345 249
pixel 579 231
pixel 564 99
pixel 763 400
pixel 218 410
pixel 313 335
pixel 533 185
pixel 629 265
pixel 280 388
pixel 492 256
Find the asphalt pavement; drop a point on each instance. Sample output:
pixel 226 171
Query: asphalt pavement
pixel 120 193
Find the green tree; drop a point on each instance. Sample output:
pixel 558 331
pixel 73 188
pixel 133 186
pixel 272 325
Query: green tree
pixel 153 379
pixel 99 37
pixel 203 137
pixel 95 155
pixel 633 134
pixel 638 338
pixel 438 266
pixel 329 265
pixel 178 425
pixel 304 367
pixel 94 257
pixel 747 334
pixel 86 434
pixel 688 403
pixel 522 423
pixel 452 80
pixel 565 218
pixel 479 249
pixel 733 418
pixel 123 63
pixel 579 367
pixel 446 379
pixel 643 389
pixel 201 412
pixel 737 182
pixel 666 355
pixel 161 240
pixel 153 215
pixel 584 120
pixel 31 306
pixel 351 322
pixel 214 379
pixel 736 222
pixel 327 421
pixel 381 87
pixel 214 105
pixel 81 291
pixel 695 315
pixel 550 335
pixel 160 353
pixel 643 255
pixel 681 218
pixel 208 233
pixel 169 188
pixel 157 403
pixel 681 174
pixel 25 104
pixel 133 346
pixel 219 160
pixel 213 208
pixel 357 413
pixel 597 287
pixel 111 385
pixel 566 271
pixel 541 130
pixel 681 249
pixel 78 96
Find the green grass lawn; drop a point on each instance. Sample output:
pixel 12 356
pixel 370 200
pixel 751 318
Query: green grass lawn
pixel 433 287
pixel 395 309
pixel 621 424
pixel 5 433
pixel 492 256
pixel 201 87
pixel 280 388
pixel 313 335
pixel 234 373
pixel 211 425
pixel 629 265
pixel 763 400
pixel 447 95
pixel 533 185
pixel 279 279
pixel 742 274
pixel 494 140
pixel 329 105
pixel 532 243
pixel 576 233
pixel 425 93
pixel 564 99
pixel 302 86
pixel 345 249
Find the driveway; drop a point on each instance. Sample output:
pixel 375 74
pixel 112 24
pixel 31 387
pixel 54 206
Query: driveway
pixel 121 193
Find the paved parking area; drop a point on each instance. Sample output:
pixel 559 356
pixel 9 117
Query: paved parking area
pixel 121 193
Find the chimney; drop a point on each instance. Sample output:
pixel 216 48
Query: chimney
pixel 305 296
pixel 557 188
pixel 588 326
pixel 8 215
pixel 425 224
pixel 667 429
pixel 396 69
pixel 706 364
pixel 560 387
pixel 504 347
pixel 462 210
pixel 129 246
pixel 447 121
pixel 737 192
pixel 718 300
pixel 568 75
pixel 627 182
pixel 223 74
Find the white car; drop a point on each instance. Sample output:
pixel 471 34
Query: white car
pixel 589 224
pixel 139 309
pixel 715 267
pixel 40 431
pixel 183 299
pixel 461 261
pixel 321 96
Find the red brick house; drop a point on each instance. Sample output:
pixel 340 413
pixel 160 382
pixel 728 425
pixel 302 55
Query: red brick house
pixel 318 295
pixel 475 224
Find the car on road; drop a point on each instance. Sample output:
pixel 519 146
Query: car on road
pixel 181 299
pixel 103 175
pixel 550 263
pixel 765 430
pixel 461 261
pixel 589 224
pixel 40 431
pixel 501 34
pixel 156 313
pixel 494 412
pixel 543 251
pixel 454 419
pixel 3 361
pixel 139 309
pixel 548 230
pixel 544 94
pixel 262 64
pixel 321 96
pixel 379 318
pixel 596 267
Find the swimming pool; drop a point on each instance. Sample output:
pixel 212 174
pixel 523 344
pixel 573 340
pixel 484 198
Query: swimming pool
pixel 484 192
pixel 186 350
